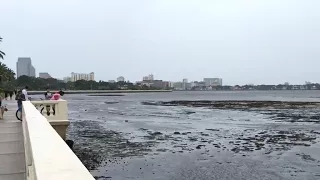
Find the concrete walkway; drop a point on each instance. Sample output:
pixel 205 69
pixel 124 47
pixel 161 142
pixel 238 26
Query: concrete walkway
pixel 12 159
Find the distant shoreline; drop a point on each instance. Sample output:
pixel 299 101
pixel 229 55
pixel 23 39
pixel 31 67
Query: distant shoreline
pixel 101 95
pixel 100 91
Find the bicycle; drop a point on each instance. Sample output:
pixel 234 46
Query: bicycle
pixel 19 114
pixel 19 111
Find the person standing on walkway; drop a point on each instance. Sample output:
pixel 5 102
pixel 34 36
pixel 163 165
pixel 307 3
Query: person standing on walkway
pixel 1 99
pixel 1 107
pixel 11 94
pixel 19 98
pixel 6 94
pixel 25 93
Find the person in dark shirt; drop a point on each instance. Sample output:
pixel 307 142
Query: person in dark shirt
pixel 1 108
pixel 20 97
pixel 10 94
pixel 61 92
pixel 1 98
pixel 6 94
pixel 47 95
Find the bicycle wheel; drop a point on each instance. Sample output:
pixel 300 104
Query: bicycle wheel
pixel 19 114
pixel 41 111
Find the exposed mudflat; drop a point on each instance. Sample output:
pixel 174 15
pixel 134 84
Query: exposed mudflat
pixel 107 144
pixel 239 105
pixel 101 95
pixel 143 137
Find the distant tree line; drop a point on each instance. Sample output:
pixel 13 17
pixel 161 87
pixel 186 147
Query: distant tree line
pixel 313 86
pixel 37 84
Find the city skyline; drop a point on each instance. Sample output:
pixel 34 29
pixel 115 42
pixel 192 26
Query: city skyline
pixel 259 42
pixel 147 80
pixel 151 77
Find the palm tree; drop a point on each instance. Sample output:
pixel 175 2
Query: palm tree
pixel 6 74
pixel 7 79
pixel 1 53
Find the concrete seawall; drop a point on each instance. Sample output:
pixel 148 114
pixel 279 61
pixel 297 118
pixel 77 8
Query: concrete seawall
pixel 101 91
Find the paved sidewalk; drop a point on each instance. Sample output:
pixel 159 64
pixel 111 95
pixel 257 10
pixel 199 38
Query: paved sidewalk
pixel 12 160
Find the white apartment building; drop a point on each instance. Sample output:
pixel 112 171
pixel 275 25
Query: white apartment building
pixel 82 76
pixel 213 81
pixel 148 78
pixel 171 84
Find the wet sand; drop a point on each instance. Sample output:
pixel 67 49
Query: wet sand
pixel 196 140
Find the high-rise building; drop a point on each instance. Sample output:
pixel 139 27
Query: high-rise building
pixel 32 71
pixel 82 76
pixel 25 68
pixel 194 83
pixel 178 85
pixel 159 84
pixel 120 79
pixel 185 84
pixel 44 75
pixel 213 81
pixel 171 84
pixel 148 78
pixel 91 76
pixel 67 79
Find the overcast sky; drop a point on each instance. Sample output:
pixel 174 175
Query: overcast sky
pixel 241 41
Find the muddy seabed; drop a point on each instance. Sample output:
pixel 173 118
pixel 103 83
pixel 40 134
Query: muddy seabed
pixel 202 140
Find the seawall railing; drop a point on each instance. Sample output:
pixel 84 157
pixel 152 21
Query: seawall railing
pixel 47 155
pixel 56 112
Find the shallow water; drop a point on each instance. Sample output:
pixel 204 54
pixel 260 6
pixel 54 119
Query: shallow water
pixel 117 137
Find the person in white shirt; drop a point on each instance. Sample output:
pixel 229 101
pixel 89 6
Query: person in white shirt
pixel 25 93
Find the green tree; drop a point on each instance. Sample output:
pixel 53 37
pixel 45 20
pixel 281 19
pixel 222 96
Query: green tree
pixel 7 78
